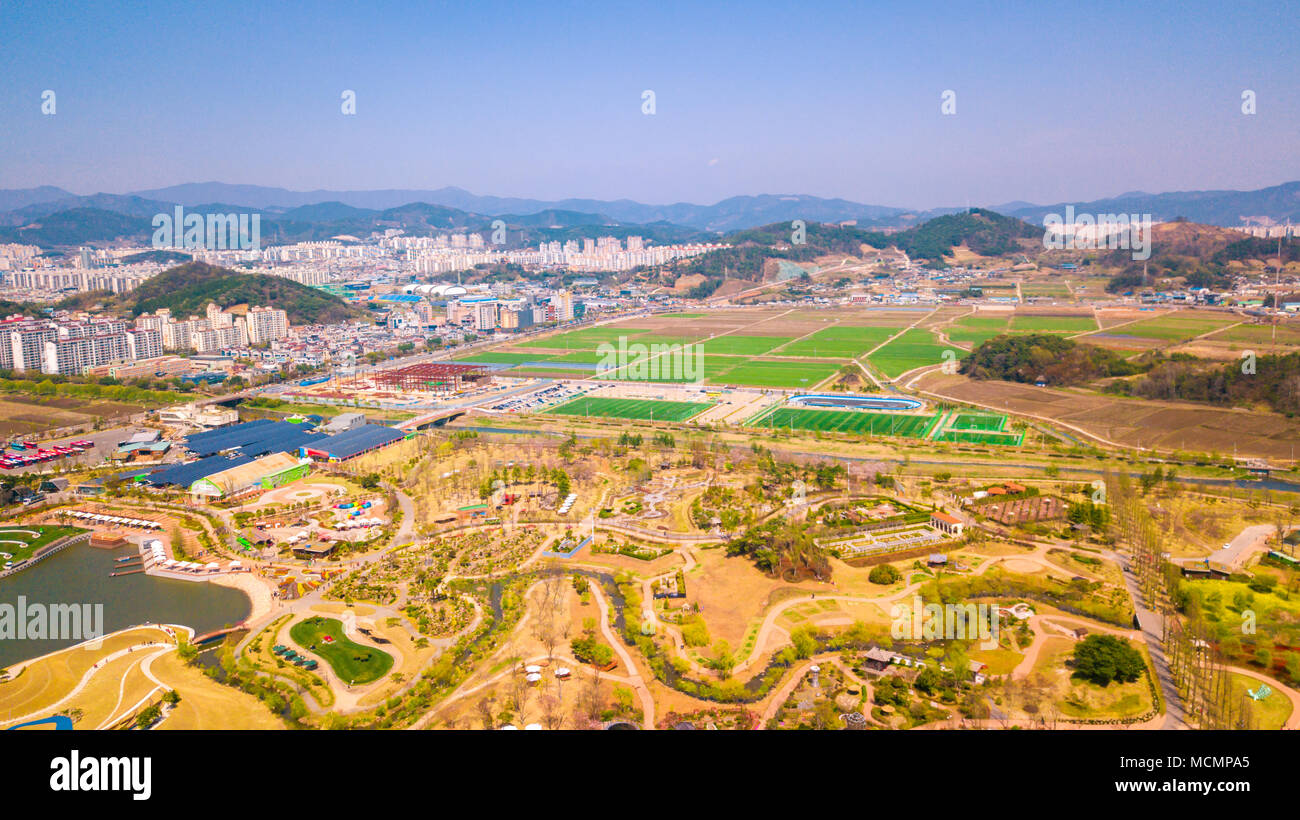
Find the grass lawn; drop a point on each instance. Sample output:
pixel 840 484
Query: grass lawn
pixel 21 540
pixel 352 662
pixel 1270 713
pixel 641 409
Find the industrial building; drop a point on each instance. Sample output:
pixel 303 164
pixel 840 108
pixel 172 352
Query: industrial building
pixel 350 443
pixel 252 438
pixel 433 378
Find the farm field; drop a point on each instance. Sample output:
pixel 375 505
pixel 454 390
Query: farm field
pixel 1178 326
pixel 912 349
pixel 901 425
pixel 776 373
pixel 640 409
pixel 1131 422
pixel 840 342
pixel 22 416
pixel 1025 323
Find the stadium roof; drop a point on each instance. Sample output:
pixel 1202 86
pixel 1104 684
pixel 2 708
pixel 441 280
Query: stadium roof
pixel 354 442
pixel 253 438
pixel 183 475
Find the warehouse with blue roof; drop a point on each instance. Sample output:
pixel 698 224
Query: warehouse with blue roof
pixel 350 443
pixel 252 438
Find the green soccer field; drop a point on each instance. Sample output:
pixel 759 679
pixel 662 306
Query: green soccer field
pixel 974 437
pixel 640 409
pixel 978 423
pixel 901 425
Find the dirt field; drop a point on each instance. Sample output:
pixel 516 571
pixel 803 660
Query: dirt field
pixel 24 416
pixel 1132 422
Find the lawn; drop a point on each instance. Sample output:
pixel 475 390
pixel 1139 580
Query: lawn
pixel 18 540
pixel 1270 713
pixel 847 421
pixel 352 662
pixel 912 349
pixel 641 409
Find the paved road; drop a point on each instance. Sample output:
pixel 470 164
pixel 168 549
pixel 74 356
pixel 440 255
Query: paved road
pixel 1251 540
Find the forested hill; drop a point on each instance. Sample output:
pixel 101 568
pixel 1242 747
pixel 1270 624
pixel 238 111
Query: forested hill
pixel 187 289
pixel 1045 357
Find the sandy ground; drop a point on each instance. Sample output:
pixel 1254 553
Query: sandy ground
pixel 257 590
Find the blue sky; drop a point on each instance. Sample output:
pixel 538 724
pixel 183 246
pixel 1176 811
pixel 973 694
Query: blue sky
pixel 1055 102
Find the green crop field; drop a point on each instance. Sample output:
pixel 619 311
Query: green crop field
pixel 769 373
pixel 901 425
pixel 1053 324
pixel 501 357
pixel 1173 327
pixel 734 345
pixel 671 369
pixel 641 409
pixel 352 662
pixel 914 348
pixel 586 339
pixel 839 342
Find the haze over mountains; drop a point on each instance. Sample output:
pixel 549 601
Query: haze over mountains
pixel 23 210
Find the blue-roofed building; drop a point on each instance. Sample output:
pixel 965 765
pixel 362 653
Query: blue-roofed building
pixel 183 475
pixel 351 443
pixel 254 438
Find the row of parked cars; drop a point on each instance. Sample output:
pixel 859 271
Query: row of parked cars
pixel 529 402
pixel 24 453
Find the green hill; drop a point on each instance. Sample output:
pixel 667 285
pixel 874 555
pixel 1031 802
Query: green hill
pixel 187 289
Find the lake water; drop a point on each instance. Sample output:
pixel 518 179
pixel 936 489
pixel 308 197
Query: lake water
pixel 79 575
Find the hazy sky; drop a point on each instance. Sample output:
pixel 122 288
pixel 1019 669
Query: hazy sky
pixel 1055 102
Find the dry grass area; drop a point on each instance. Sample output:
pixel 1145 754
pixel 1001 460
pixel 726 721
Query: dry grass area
pixel 732 593
pixel 1132 422
pixel 206 704
pixel 50 679
pixel 1049 691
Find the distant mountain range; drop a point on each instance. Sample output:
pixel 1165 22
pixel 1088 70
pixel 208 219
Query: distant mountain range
pixel 51 217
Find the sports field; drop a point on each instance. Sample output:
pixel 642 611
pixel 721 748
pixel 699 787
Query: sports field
pixel 955 436
pixel 977 422
pixel 641 409
pixel 902 425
